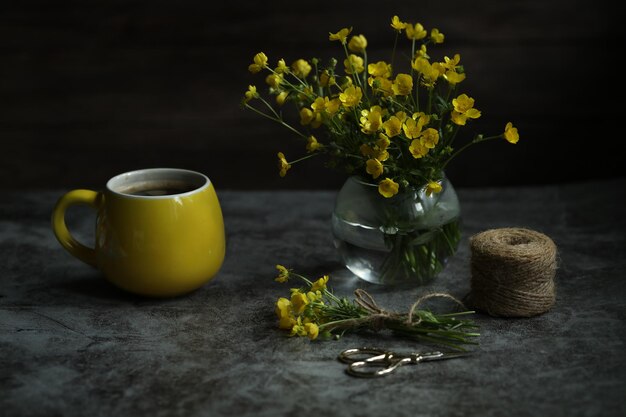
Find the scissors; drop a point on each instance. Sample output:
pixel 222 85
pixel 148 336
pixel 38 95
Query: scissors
pixel 374 362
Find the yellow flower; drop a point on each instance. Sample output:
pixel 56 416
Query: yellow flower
pixel 371 120
pixel 458 118
pixel 436 36
pixel 320 284
pixel 411 129
pixel 339 36
pixel 453 77
pixel 280 98
pixel 306 116
pixel 374 153
pixel 374 168
pixel 417 149
pixel 429 72
pixel 351 96
pixel 402 85
pixel 463 103
pixel 397 24
pixel 421 117
pixel 298 302
pixel 286 323
pixel 422 52
pixel 416 32
pixel 433 187
pixel 317 121
pixel 430 138
pixel 301 68
pixel 413 126
pixel 298 328
pixel 283 274
pixel 314 296
pixel 461 118
pixel 393 126
pixel 353 64
pixel 366 150
pixel 401 116
pixel 281 68
pixel 331 106
pixel 388 188
pixel 274 80
pixel 451 64
pixel 381 85
pixel 383 142
pixel 260 62
pixel 318 105
pixel 420 64
pixel 381 154
pixel 312 144
pixel 283 165
pixel 510 133
pixel 250 94
pixel 283 307
pixel 326 79
pixel 463 110
pixel 284 311
pixel 357 44
pixel 379 69
pixel 312 330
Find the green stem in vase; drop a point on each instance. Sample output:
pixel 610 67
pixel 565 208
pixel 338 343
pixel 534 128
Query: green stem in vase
pixel 418 262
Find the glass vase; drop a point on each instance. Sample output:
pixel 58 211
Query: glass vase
pixel 403 240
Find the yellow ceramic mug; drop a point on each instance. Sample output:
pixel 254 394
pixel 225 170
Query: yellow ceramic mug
pixel 159 232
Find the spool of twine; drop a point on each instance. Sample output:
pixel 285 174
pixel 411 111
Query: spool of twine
pixel 512 272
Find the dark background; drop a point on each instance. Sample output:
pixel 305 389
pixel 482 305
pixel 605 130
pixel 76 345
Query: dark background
pixel 89 89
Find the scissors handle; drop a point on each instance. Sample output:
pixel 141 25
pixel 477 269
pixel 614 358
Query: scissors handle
pixel 374 369
pixel 365 354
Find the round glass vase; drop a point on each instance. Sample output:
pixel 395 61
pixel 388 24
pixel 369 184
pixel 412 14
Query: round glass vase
pixel 403 240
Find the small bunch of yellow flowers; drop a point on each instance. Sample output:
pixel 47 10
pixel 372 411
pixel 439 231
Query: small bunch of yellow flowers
pixel 397 129
pixel 314 311
pixel 300 313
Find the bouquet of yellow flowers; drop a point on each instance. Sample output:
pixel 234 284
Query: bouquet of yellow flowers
pixel 394 133
pixel 314 311
pixel 397 129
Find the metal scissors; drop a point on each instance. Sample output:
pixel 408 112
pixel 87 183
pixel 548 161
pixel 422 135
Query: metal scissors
pixel 374 362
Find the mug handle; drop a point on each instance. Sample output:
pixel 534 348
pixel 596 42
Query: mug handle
pixel 63 235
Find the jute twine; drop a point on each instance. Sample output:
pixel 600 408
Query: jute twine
pixel 512 272
pixel 377 315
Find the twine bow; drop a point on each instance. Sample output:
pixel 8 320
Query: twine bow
pixel 378 315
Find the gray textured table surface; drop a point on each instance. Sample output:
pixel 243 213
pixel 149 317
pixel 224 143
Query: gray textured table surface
pixel 72 345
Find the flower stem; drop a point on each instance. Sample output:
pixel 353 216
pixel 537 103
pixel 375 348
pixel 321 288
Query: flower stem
pixel 477 139
pixel 393 51
pixel 276 119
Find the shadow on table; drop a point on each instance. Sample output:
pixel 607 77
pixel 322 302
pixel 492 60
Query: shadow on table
pixel 95 286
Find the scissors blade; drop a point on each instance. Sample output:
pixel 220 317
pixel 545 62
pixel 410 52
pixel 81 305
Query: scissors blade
pixel 438 356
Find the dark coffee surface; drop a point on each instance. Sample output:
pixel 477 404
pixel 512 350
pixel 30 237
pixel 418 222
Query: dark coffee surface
pixel 156 188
